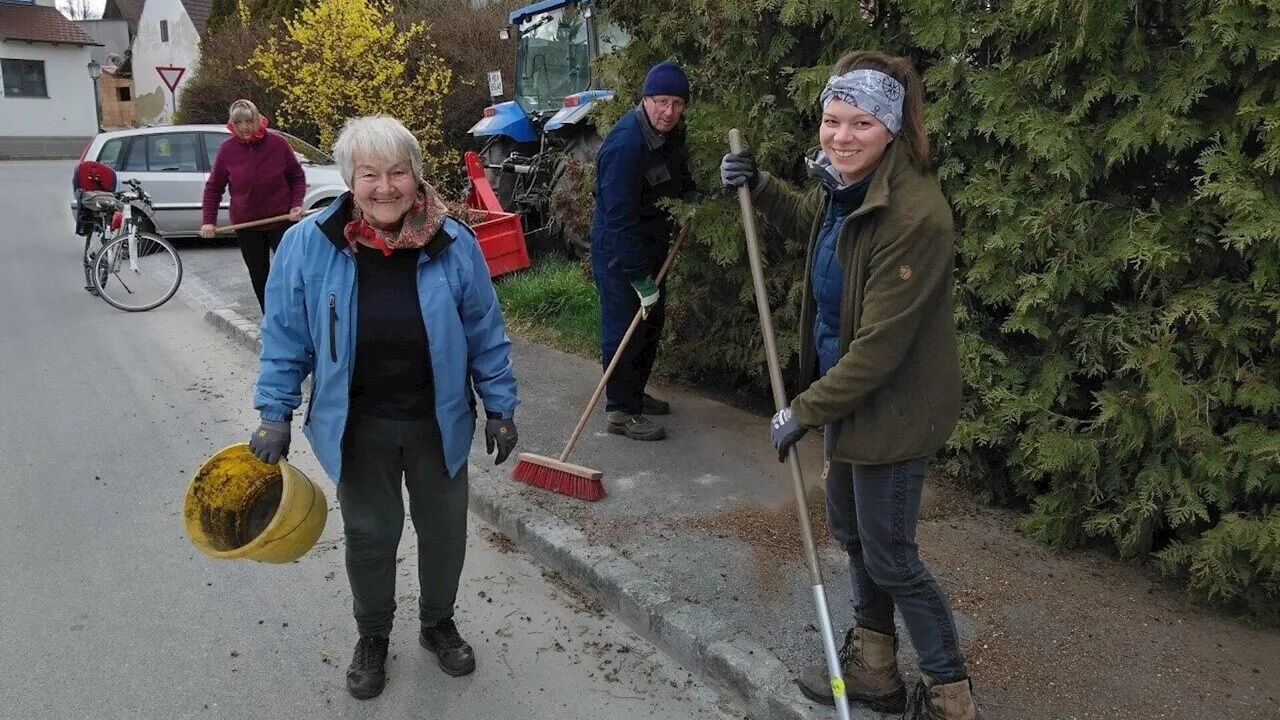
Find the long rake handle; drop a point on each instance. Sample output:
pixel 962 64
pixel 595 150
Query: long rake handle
pixel 259 223
pixel 617 354
pixel 793 457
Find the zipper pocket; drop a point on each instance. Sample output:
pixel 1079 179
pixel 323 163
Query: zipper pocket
pixel 333 328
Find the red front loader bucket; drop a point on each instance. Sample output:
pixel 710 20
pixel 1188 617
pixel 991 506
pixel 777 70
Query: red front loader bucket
pixel 500 234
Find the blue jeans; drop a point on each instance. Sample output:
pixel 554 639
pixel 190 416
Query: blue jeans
pixel 872 511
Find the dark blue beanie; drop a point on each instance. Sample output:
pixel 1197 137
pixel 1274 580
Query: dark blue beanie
pixel 666 78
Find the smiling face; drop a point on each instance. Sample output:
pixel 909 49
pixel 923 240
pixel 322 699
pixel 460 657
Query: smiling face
pixel 384 190
pixel 664 111
pixel 853 139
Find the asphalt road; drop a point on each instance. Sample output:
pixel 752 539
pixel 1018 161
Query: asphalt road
pixel 109 612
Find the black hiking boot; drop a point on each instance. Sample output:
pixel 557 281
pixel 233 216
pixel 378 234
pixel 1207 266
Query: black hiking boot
pixel 653 406
pixel 367 674
pixel 636 427
pixel 454 654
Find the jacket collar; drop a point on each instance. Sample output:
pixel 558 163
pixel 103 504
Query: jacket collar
pixel 334 220
pixel 821 169
pixel 895 162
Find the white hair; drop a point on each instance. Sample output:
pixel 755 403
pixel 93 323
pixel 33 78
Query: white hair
pixel 380 136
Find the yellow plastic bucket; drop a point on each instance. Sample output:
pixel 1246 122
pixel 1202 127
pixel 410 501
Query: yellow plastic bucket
pixel 240 507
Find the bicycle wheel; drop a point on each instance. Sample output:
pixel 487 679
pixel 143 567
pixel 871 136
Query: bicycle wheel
pixel 140 281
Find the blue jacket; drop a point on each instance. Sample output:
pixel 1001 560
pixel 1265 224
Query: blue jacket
pixel 635 169
pixel 307 328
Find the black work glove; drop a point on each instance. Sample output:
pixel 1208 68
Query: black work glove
pixel 785 432
pixel 738 169
pixel 500 432
pixel 270 442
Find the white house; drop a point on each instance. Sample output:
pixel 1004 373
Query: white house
pixel 48 107
pixel 166 46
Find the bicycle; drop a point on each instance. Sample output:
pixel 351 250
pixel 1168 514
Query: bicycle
pixel 132 270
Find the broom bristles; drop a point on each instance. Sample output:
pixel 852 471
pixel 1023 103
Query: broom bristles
pixel 565 478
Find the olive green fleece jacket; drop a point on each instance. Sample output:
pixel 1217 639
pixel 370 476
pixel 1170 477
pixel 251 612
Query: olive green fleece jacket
pixel 895 392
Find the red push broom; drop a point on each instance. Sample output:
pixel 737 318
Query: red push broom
pixel 564 477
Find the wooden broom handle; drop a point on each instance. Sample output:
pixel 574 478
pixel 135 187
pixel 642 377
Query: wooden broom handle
pixel 263 221
pixel 250 224
pixel 617 354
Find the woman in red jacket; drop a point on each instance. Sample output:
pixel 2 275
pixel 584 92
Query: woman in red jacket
pixel 266 180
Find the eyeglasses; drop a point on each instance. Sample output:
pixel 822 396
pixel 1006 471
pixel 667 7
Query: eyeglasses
pixel 667 103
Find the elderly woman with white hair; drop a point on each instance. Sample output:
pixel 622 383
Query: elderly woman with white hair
pixel 266 180
pixel 386 301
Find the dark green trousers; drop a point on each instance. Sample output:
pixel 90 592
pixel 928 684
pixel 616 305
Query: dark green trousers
pixel 377 456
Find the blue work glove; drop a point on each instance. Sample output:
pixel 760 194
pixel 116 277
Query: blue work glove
pixel 738 169
pixel 500 432
pixel 785 432
pixel 648 291
pixel 270 441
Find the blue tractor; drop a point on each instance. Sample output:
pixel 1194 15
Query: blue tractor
pixel 532 143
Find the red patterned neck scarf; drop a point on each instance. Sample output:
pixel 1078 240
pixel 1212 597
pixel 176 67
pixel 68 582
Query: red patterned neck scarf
pixel 420 224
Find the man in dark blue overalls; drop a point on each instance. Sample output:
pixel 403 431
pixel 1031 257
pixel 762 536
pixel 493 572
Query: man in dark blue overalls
pixel 642 161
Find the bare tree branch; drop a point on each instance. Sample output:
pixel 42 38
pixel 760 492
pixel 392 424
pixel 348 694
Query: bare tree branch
pixel 78 9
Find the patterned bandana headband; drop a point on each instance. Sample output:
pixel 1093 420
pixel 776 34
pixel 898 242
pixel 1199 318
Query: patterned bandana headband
pixel 870 90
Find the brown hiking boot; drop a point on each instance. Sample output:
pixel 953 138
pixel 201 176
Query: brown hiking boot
pixel 869 663
pixel 953 701
pixel 636 427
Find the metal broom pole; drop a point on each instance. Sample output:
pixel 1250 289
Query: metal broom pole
pixel 793 458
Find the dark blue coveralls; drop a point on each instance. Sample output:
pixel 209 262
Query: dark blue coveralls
pixel 636 167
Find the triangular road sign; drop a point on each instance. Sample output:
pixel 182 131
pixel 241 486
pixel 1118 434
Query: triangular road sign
pixel 171 76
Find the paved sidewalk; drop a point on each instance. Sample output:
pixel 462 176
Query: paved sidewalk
pixel 696 546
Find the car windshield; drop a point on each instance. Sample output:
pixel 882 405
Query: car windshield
pixel 307 153
pixel 553 59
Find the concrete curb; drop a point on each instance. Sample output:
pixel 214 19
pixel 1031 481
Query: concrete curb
pixel 740 668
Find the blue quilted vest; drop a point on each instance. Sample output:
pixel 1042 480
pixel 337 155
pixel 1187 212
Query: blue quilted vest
pixel 827 276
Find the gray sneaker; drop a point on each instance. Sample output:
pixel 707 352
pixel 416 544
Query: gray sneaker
pixel 636 427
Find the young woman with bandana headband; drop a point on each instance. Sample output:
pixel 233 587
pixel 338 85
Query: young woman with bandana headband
pixel 881 374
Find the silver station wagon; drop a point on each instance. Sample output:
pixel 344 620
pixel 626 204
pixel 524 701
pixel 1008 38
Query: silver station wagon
pixel 173 163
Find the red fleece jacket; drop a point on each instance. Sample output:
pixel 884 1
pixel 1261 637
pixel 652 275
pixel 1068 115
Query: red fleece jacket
pixel 265 176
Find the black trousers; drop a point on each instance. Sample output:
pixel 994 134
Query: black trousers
pixel 379 458
pixel 618 306
pixel 256 246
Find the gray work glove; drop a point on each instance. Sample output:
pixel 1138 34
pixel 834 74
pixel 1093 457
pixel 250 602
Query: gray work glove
pixel 738 169
pixel 501 433
pixel 785 432
pixel 270 442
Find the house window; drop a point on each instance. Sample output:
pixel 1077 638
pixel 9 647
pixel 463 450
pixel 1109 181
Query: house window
pixel 164 31
pixel 23 78
pixel 123 95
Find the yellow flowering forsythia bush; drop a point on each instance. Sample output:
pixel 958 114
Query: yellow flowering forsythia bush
pixel 339 59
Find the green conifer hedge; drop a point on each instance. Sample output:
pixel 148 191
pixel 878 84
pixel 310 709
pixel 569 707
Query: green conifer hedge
pixel 1112 166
